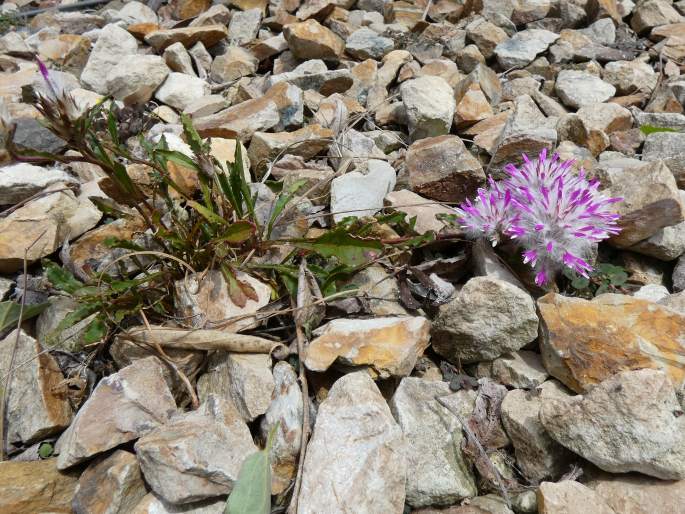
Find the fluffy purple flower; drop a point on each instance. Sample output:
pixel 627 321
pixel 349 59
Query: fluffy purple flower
pixel 555 215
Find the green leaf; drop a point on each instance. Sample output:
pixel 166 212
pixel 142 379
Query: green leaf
pixel 178 158
pixel 192 137
pixel 651 129
pixel 346 248
pixel 207 214
pixel 618 278
pixel 252 491
pixel 45 450
pixel 80 313
pixel 108 207
pixel 95 331
pixel 112 126
pixel 281 202
pixel 237 232
pixel 580 283
pixel 9 313
pixel 60 278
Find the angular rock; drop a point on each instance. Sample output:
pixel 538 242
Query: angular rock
pixel 638 493
pixel 42 225
pixel 570 497
pixel 365 43
pixel 233 64
pixel 114 44
pixel 522 369
pixel 485 35
pixel 178 59
pixel 180 90
pixel 32 487
pixel 208 35
pixel 630 76
pixel 135 79
pixel 442 168
pixel 579 88
pixel 390 346
pixel 22 180
pixel 488 318
pixel 196 455
pixel 109 486
pixel 355 443
pixel 651 292
pixel 472 106
pixel 357 195
pixel 437 473
pixel 285 411
pixel 585 342
pixel 630 422
pixel 667 244
pixel 653 13
pixel 311 40
pixel 245 378
pixel 538 456
pixel 306 142
pixel 650 198
pixel 205 301
pixel 244 26
pixel 522 48
pixel 422 209
pixel 430 105
pixel 152 504
pixel 37 404
pixel 669 147
pixel 379 292
pixel 120 409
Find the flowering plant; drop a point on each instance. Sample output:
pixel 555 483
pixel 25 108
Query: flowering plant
pixel 555 215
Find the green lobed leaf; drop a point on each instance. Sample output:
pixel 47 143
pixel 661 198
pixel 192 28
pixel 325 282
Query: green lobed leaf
pixel 45 450
pixel 60 278
pixel 9 313
pixel 348 249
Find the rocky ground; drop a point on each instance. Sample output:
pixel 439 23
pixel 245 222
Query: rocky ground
pixel 445 381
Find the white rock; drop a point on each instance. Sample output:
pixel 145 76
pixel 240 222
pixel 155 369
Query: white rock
pixel 522 48
pixel 430 105
pixel 180 90
pixel 113 46
pixel 571 497
pixel 651 292
pixel 21 181
pixel 522 369
pixel 135 79
pixel 437 473
pixel 630 422
pixel 579 88
pixel 357 195
pixel 136 12
pixel 356 456
pixel 244 377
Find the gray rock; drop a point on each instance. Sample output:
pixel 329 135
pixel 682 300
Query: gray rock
pixel 178 59
pixel 356 455
pixel 523 47
pixel 244 377
pixel 29 134
pixel 114 44
pixel 286 412
pixel 321 79
pixel 153 504
pixel 430 105
pixel 180 90
pixel 579 88
pixel 244 26
pixel 357 195
pixel 651 200
pixel 653 13
pixel 136 12
pixel 538 456
pixel 6 286
pixel 630 422
pixel 668 120
pixel 21 181
pixel 571 497
pixel 368 44
pixel 522 369
pixel 123 406
pixel 69 339
pixel 602 32
pixel 630 76
pixel 486 263
pixel 135 79
pixel 651 292
pixel 669 147
pixel 197 455
pixel 37 404
pixel 437 473
pixel 488 318
pixel 112 485
pixel 667 244
pixel 675 302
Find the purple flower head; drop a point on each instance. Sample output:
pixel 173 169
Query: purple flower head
pixel 555 215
